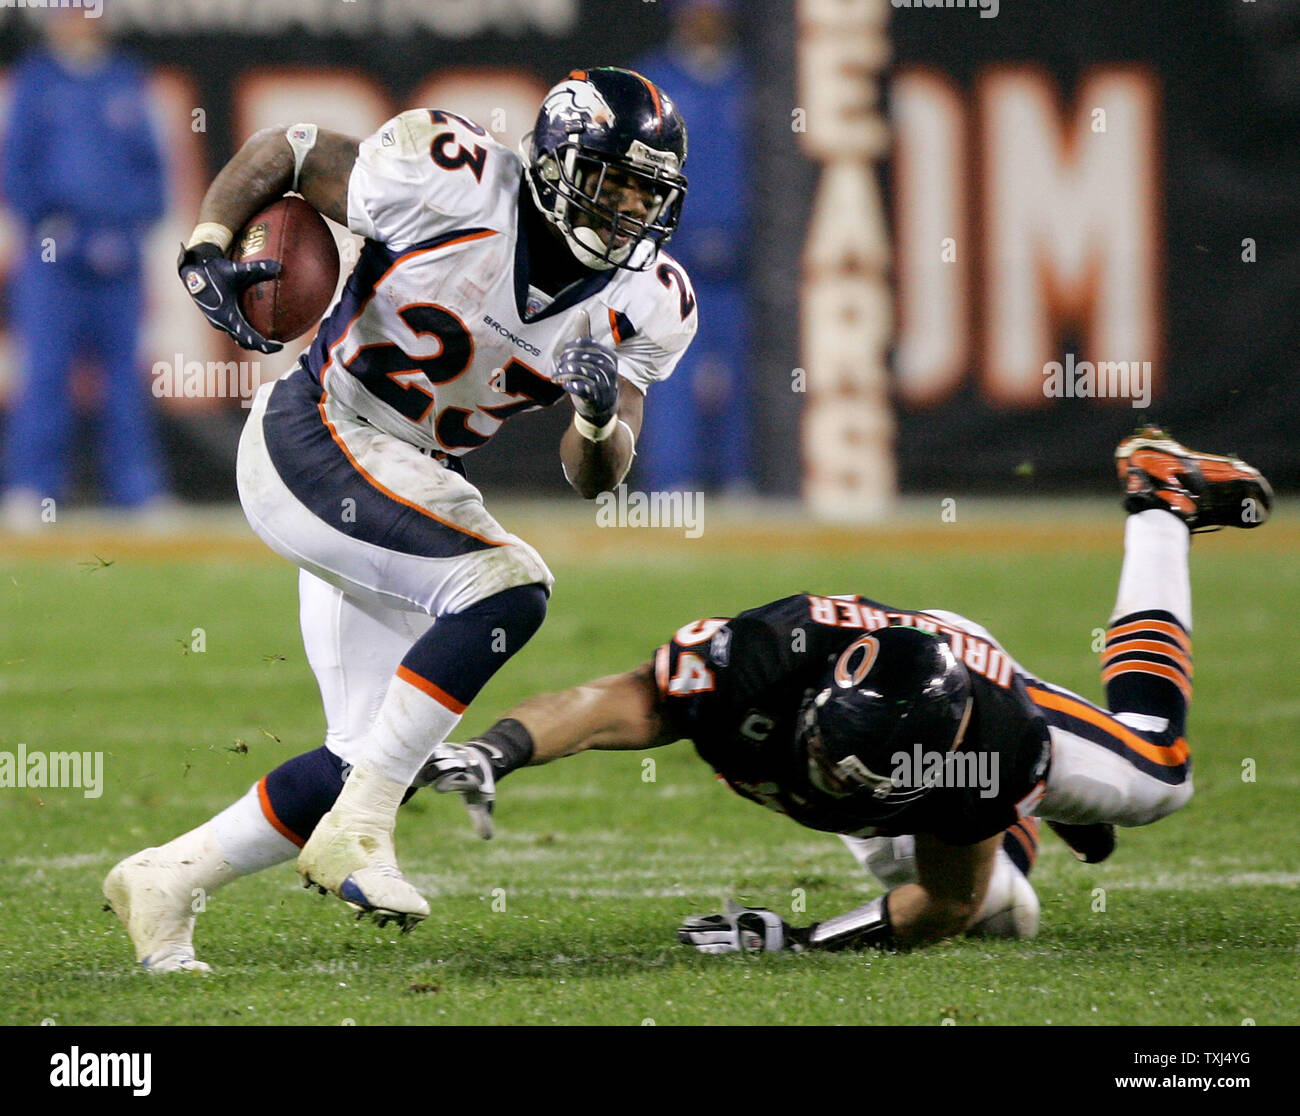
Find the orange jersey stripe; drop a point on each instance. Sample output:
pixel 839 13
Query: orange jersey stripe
pixel 613 326
pixel 1152 626
pixel 268 812
pixel 1169 755
pixel 1112 653
pixel 375 484
pixel 1159 669
pixel 432 689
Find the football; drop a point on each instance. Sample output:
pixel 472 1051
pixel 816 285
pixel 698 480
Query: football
pixel 292 232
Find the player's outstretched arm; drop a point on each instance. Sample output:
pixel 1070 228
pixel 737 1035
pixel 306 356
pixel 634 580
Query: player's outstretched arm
pixel 950 887
pixel 611 714
pixel 951 884
pixel 617 713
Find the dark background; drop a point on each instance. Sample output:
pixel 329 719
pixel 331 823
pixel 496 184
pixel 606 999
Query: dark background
pixel 1229 79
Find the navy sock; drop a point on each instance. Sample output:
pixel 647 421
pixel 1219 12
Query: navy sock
pixel 298 793
pixel 1147 668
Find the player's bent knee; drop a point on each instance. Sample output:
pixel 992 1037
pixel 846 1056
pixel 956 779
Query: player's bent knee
pixel 528 604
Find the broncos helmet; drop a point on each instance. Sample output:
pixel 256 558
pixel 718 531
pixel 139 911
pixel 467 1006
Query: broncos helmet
pixel 594 123
pixel 895 690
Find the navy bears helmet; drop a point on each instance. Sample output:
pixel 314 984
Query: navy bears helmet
pixel 601 135
pixel 894 704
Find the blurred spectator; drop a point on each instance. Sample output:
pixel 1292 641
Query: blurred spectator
pixel 82 170
pixel 698 431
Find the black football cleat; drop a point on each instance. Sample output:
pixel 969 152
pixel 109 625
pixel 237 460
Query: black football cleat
pixel 1204 490
pixel 1089 843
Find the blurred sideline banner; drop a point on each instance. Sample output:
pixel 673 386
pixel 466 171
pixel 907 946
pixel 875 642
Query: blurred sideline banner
pixel 986 246
pixel 1094 217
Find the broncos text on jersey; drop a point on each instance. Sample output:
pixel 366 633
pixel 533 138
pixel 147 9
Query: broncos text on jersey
pixel 437 337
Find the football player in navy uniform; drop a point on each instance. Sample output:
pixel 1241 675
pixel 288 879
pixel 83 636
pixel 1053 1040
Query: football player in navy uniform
pixel 866 720
pixel 490 283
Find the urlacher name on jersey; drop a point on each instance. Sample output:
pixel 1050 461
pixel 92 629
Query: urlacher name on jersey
pixel 433 339
pixel 980 656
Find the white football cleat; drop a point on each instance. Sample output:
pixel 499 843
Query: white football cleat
pixel 152 896
pixel 350 854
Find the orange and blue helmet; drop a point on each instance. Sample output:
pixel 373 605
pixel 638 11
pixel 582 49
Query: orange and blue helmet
pixel 604 164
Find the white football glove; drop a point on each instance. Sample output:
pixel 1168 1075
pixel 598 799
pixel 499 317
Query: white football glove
pixel 738 930
pixel 465 770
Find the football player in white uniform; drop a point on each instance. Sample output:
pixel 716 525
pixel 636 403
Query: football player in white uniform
pixel 490 283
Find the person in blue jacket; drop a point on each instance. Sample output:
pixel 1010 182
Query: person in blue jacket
pixel 701 434
pixel 81 168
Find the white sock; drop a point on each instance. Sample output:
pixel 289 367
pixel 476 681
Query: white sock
pixel 1154 574
pixel 411 722
pixel 246 839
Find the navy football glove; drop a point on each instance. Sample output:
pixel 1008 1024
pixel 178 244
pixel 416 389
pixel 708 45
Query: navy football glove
pixel 215 284
pixel 588 371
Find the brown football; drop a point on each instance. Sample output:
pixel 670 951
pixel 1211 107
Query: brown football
pixel 292 232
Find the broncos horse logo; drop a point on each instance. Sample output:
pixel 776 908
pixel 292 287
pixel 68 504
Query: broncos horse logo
pixel 577 105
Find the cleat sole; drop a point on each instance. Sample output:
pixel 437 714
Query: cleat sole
pixel 382 918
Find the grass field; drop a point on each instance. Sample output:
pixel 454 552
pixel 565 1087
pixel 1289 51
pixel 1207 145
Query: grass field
pixel 593 864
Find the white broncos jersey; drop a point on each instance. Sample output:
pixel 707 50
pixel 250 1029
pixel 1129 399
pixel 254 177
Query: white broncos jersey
pixel 437 337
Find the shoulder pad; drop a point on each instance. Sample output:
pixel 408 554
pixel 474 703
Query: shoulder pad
pixel 423 173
